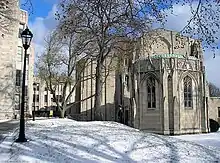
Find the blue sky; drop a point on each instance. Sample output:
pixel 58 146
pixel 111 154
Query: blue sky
pixel 41 8
pixel 42 21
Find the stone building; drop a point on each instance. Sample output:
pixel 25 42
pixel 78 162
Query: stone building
pixel 214 108
pixel 161 89
pixel 44 99
pixel 169 83
pixel 13 22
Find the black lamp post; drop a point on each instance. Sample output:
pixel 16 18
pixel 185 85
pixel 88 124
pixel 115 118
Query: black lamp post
pixel 34 101
pixel 26 36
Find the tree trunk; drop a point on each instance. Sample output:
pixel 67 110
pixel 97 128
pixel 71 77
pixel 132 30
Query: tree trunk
pixel 98 91
pixel 62 113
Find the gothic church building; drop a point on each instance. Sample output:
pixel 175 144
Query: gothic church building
pixel 162 88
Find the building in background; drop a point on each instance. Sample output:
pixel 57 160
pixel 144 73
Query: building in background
pixel 161 88
pixel 11 57
pixel 42 98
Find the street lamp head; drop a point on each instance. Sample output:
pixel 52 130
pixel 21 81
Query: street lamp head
pixel 26 36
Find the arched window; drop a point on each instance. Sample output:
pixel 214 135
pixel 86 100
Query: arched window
pixel 194 49
pixel 187 81
pixel 151 92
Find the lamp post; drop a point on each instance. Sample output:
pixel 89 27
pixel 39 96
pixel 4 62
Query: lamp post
pixel 26 36
pixel 34 100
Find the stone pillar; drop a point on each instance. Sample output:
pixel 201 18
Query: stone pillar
pixel 165 104
pixel 176 105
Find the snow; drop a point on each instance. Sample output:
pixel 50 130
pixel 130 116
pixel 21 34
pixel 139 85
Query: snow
pixel 4 120
pixel 211 139
pixel 64 140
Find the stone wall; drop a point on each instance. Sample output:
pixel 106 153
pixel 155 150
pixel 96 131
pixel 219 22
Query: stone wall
pixel 174 56
pixel 8 51
pixel 163 41
pixel 214 108
pixel 87 89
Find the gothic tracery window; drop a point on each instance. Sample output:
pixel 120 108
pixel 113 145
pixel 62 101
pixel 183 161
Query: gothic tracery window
pixel 194 49
pixel 151 92
pixel 187 81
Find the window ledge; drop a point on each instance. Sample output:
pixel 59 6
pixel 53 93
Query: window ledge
pixel 152 108
pixel 188 108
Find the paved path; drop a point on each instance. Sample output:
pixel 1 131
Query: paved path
pixel 6 127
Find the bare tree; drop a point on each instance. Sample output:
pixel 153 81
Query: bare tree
pixel 214 90
pixel 57 66
pixel 106 23
pixel 204 22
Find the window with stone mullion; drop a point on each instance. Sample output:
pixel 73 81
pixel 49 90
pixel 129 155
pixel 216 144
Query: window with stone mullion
pixel 187 92
pixel 151 96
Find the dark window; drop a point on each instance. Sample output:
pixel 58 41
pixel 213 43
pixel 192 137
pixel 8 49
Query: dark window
pixel 18 77
pixel 45 98
pixel 126 61
pixel 34 97
pixel 17 107
pixel 194 49
pixel 37 87
pixel 187 81
pixel 45 89
pixel 219 112
pixel 151 92
pixel 52 99
pixel 37 98
pixel 26 90
pixel 59 98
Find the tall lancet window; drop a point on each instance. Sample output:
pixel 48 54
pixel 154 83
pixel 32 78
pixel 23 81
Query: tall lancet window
pixel 151 92
pixel 188 102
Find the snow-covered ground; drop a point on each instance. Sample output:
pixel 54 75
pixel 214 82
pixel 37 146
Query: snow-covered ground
pixel 64 140
pixel 4 120
pixel 211 139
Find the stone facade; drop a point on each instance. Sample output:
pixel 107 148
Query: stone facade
pixel 8 46
pixel 161 89
pixel 11 60
pixel 43 97
pixel 175 64
pixel 214 108
pixel 86 89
